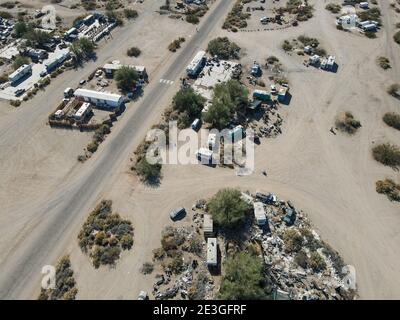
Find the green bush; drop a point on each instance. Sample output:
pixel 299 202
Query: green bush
pixel 191 18
pixel 104 234
pixel 387 154
pixel 384 63
pixel 148 172
pixel 345 122
pixel 243 279
pixel 130 13
pixel 133 52
pixel 228 209
pixel 126 78
pixel 223 48
pixel 65 283
pixel 92 146
pixel 392 119
pixel 187 100
pixel 19 61
pixel 293 240
pixel 389 188
pixel 333 7
pixel 316 262
pixel 396 37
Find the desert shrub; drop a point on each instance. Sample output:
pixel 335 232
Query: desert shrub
pixel 176 44
pixel 104 234
pixel 392 119
pixel 293 240
pixel 148 172
pixel 333 7
pixel 370 34
pixel 384 63
pixel 301 259
pixel 191 18
pixel 147 268
pixel 19 61
pixel 389 188
pixel 307 41
pixel 236 18
pixel 316 262
pixel 130 13
pixel 272 60
pixel 394 90
pixel 92 146
pixel 396 37
pixel 387 154
pixel 65 288
pixel 287 46
pixel 133 52
pixel 345 122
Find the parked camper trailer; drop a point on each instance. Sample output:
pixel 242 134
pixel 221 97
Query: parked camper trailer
pixel 83 111
pixel 204 155
pixel 212 252
pixel 259 213
pixel 197 64
pixel 21 72
pixel 208 226
pixel 261 95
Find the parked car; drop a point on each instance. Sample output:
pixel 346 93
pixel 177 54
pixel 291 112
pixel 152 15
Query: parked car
pixel 196 124
pixel 19 92
pixel 43 73
pixel 177 213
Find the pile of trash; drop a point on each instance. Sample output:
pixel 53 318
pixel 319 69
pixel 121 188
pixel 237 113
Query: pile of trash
pixel 288 277
pixel 193 280
pixel 272 121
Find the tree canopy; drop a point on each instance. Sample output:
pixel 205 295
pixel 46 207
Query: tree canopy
pixel 228 209
pixel 223 48
pixel 228 98
pixel 35 38
pixel 126 78
pixel 19 61
pixel 243 278
pixel 83 48
pixel 188 100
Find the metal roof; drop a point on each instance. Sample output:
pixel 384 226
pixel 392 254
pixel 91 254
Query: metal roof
pixel 98 95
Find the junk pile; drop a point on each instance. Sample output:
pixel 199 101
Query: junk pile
pixel 299 263
pixel 272 123
pixel 187 276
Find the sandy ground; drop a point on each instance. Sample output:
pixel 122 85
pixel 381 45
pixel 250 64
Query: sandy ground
pixel 35 159
pixel 330 177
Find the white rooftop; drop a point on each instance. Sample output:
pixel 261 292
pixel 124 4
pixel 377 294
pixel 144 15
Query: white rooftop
pixel 97 95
